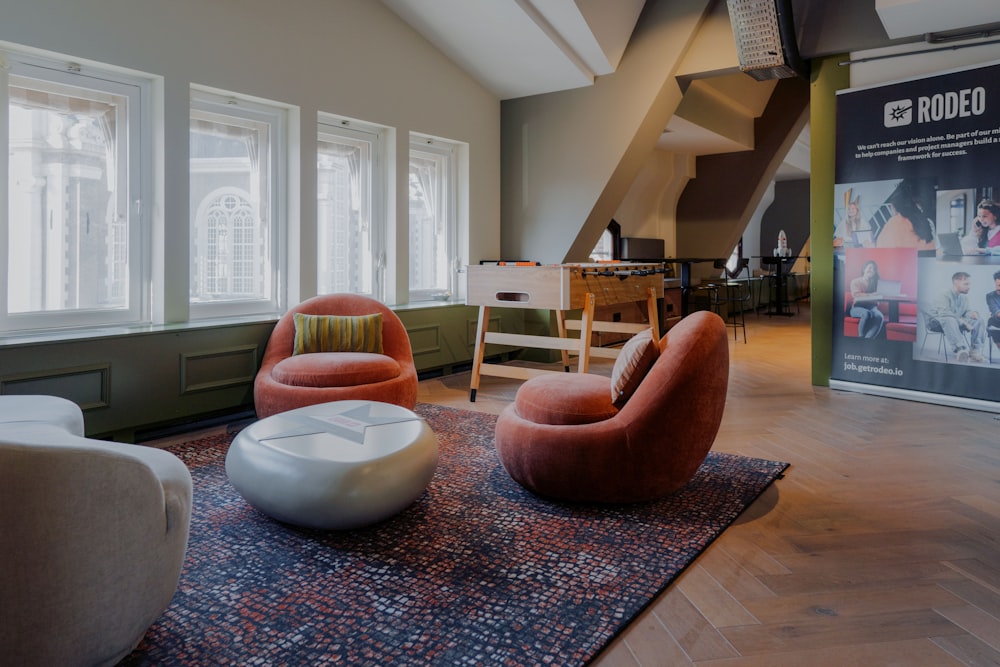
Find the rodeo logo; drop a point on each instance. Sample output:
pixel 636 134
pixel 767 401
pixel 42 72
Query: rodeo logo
pixel 937 107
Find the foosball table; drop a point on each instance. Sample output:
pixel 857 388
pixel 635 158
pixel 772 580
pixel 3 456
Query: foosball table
pixel 559 288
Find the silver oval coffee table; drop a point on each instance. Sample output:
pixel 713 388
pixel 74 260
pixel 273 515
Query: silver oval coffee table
pixel 335 465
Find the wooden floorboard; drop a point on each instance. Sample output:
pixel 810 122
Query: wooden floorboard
pixel 881 546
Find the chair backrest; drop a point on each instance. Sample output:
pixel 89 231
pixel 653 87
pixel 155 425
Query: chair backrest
pixel 94 536
pixel 684 394
pixel 395 341
pixel 674 415
pixel 930 324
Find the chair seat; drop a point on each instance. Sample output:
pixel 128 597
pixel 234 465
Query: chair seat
pixel 565 399
pixel 335 369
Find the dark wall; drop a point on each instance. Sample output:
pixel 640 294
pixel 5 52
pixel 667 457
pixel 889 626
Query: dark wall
pixel 788 211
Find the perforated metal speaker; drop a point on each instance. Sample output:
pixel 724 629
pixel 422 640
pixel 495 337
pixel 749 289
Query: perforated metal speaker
pixel 765 38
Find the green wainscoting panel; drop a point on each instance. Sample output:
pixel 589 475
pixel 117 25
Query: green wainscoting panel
pixel 136 383
pixel 131 382
pixel 444 336
pixel 88 386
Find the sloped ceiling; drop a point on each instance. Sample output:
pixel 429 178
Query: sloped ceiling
pixel 518 48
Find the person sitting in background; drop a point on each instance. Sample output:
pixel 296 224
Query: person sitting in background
pixel 949 312
pixel 864 306
pixel 993 305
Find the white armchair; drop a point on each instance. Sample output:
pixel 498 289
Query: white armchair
pixel 94 535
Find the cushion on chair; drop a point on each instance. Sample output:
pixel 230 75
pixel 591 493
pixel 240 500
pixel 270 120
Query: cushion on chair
pixel 908 313
pixel 565 399
pixel 335 369
pixel 851 326
pixel 633 362
pixel 338 333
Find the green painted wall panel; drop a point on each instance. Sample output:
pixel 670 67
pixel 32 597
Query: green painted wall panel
pixel 828 76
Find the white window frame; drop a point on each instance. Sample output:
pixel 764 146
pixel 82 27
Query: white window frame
pixel 334 128
pixel 449 153
pixel 134 161
pixel 205 101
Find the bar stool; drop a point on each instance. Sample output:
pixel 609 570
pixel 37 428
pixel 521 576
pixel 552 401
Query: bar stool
pixel 735 295
pixel 705 296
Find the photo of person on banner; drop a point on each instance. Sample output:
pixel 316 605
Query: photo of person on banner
pixel 853 231
pixel 908 225
pixel 985 231
pixel 993 305
pixel 950 313
pixel 903 219
pixel 880 296
pixel 864 305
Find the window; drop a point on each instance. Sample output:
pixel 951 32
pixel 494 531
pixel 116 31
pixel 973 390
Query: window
pixel 350 209
pixel 607 248
pixel 433 218
pixel 75 179
pixel 735 258
pixel 237 179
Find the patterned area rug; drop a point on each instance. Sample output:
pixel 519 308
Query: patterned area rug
pixel 476 571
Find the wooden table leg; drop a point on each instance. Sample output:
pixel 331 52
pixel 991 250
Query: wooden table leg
pixel 586 329
pixel 653 313
pixel 477 357
pixel 561 323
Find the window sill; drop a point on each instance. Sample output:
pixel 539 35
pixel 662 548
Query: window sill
pixel 422 305
pixel 13 339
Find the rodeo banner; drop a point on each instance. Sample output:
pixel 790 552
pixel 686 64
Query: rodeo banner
pixel 917 236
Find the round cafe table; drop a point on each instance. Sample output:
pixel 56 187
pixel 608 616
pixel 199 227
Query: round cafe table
pixel 335 465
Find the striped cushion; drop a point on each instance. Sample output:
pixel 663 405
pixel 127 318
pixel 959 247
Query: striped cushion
pixel 338 333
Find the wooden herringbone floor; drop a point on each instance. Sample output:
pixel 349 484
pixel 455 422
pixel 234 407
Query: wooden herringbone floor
pixel 880 547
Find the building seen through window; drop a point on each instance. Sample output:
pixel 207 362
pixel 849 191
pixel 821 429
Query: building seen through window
pixel 607 247
pixel 234 175
pixel 350 226
pixel 73 171
pixel 433 243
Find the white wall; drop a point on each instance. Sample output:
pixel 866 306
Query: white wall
pixel 570 157
pixel 873 67
pixel 649 207
pixel 349 57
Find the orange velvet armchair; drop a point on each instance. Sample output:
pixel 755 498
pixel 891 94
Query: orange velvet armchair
pixel 563 437
pixel 286 380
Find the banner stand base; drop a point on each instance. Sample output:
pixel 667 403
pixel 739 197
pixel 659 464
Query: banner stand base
pixel 920 396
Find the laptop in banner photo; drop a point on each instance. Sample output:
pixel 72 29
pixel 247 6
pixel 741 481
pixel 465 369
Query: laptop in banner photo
pixel 950 244
pixel 890 287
